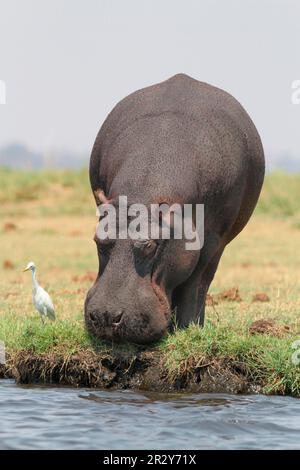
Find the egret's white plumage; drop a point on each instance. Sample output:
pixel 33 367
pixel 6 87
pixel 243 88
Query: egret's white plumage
pixel 41 299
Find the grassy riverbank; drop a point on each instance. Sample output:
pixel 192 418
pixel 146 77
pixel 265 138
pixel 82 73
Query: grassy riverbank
pixel 252 315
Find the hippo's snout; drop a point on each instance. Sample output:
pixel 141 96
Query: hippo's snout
pixel 120 325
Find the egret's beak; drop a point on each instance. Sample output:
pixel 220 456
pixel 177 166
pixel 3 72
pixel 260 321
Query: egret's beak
pixel 26 269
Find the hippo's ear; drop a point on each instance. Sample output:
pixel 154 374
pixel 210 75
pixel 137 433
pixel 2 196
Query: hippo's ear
pixel 100 197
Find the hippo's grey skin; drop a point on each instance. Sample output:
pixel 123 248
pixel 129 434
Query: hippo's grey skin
pixel 178 141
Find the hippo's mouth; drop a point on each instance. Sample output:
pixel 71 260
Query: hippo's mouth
pixel 145 325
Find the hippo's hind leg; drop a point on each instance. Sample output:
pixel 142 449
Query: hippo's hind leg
pixel 189 298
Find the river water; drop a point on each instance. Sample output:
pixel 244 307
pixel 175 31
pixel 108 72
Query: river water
pixel 35 417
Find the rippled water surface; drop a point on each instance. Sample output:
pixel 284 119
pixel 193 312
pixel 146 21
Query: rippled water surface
pixel 68 418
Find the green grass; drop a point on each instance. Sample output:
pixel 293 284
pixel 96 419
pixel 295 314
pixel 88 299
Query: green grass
pixel 62 336
pixel 265 359
pixel 27 185
pixel 53 192
pixel 69 192
pixel 280 196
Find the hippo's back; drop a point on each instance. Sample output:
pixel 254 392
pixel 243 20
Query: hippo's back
pixel 182 95
pixel 181 127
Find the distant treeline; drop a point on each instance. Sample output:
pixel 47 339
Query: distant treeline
pixel 19 157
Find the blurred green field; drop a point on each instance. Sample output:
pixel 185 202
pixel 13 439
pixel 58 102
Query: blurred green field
pixel 67 192
pixel 49 218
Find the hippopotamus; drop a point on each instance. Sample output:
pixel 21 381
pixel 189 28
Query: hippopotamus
pixel 179 141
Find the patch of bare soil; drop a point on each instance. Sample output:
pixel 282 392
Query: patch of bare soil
pixel 211 300
pixel 246 265
pixel 231 295
pixel 75 233
pixel 71 292
pixel 88 276
pixel 268 327
pixel 7 264
pixel 260 297
pixel 143 370
pixel 9 227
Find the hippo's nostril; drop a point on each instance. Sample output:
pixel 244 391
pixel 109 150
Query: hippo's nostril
pixel 93 316
pixel 118 318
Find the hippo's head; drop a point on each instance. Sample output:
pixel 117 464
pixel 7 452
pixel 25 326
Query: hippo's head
pixel 132 298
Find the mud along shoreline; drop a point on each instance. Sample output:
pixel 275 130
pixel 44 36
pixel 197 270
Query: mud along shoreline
pixel 143 371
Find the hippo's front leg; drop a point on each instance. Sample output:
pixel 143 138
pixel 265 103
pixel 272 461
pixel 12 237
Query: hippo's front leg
pixel 189 298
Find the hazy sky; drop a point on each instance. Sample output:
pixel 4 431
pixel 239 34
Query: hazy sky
pixel 66 63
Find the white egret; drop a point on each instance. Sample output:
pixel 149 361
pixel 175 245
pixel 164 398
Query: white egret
pixel 41 299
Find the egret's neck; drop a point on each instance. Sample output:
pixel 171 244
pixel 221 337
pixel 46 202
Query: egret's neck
pixel 34 280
